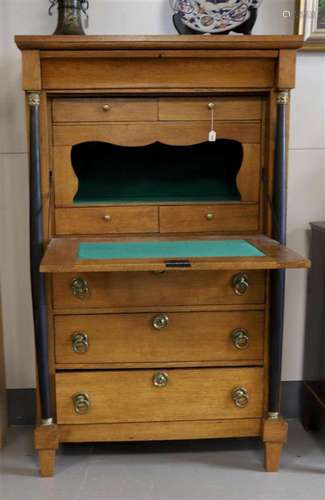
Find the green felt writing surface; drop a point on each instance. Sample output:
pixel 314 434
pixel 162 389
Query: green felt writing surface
pixel 167 249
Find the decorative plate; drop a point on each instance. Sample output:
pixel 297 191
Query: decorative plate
pixel 214 16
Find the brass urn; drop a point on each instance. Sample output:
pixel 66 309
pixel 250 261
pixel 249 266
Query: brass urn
pixel 70 13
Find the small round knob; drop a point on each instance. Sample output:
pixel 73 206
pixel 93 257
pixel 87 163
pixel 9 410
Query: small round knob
pixel 107 217
pixel 240 283
pixel 240 339
pixel 80 342
pixel 239 395
pixel 160 321
pixel 211 105
pixel 81 403
pixel 106 107
pixel 209 216
pixel 160 379
pixel 79 288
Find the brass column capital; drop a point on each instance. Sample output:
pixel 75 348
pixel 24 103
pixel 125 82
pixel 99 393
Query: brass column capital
pixel 34 98
pixel 283 97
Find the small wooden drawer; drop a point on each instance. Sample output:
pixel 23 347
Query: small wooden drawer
pixel 225 108
pixel 139 289
pixel 104 110
pixel 106 220
pixel 206 218
pixel 161 395
pixel 160 337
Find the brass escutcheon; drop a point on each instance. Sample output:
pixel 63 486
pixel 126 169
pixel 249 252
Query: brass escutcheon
pixel 80 342
pixel 160 321
pixel 81 403
pixel 240 339
pixel 239 396
pixel 79 288
pixel 240 283
pixel 160 379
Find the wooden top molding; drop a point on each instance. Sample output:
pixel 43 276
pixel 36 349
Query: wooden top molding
pixel 174 42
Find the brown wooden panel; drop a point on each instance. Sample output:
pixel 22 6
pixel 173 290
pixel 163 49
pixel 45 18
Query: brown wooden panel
pixel 226 108
pixel 197 218
pixel 117 338
pixel 65 180
pixel 141 431
pixel 130 396
pixel 104 110
pixel 106 220
pixel 31 70
pixel 142 133
pixel 163 289
pixel 99 73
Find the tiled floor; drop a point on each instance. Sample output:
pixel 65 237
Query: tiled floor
pixel 206 470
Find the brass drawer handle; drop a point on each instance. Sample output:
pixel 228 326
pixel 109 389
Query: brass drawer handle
pixel 106 107
pixel 239 396
pixel 209 216
pixel 240 283
pixel 160 379
pixel 240 339
pixel 80 342
pixel 79 288
pixel 160 322
pixel 81 403
pixel 211 105
pixel 107 217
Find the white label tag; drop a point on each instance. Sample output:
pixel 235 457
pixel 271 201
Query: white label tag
pixel 212 136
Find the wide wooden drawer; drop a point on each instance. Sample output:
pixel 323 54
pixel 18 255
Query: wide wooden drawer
pixel 139 289
pixel 162 395
pixel 106 220
pixel 161 337
pixel 225 108
pixel 104 110
pixel 206 218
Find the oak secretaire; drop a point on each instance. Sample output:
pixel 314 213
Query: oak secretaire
pixel 158 257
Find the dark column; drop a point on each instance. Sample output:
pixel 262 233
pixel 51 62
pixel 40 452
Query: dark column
pixel 36 254
pixel 278 276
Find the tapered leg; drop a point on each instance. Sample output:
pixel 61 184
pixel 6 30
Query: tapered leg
pixel 46 443
pixel 46 463
pixel 275 432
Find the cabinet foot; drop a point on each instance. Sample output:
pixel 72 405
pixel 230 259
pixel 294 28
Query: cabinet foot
pixel 46 460
pixel 275 432
pixel 46 443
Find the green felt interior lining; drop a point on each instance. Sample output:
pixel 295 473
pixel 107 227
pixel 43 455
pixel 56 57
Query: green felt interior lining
pixel 186 249
pixel 157 173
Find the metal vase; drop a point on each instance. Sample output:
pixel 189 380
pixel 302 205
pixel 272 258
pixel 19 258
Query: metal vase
pixel 70 17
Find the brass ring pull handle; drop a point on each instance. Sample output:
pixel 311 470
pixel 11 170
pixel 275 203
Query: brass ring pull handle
pixel 106 107
pixel 79 288
pixel 81 403
pixel 239 395
pixel 240 339
pixel 240 283
pixel 160 322
pixel 80 342
pixel 160 379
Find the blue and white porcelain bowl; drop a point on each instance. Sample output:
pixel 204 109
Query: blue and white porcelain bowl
pixel 214 16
